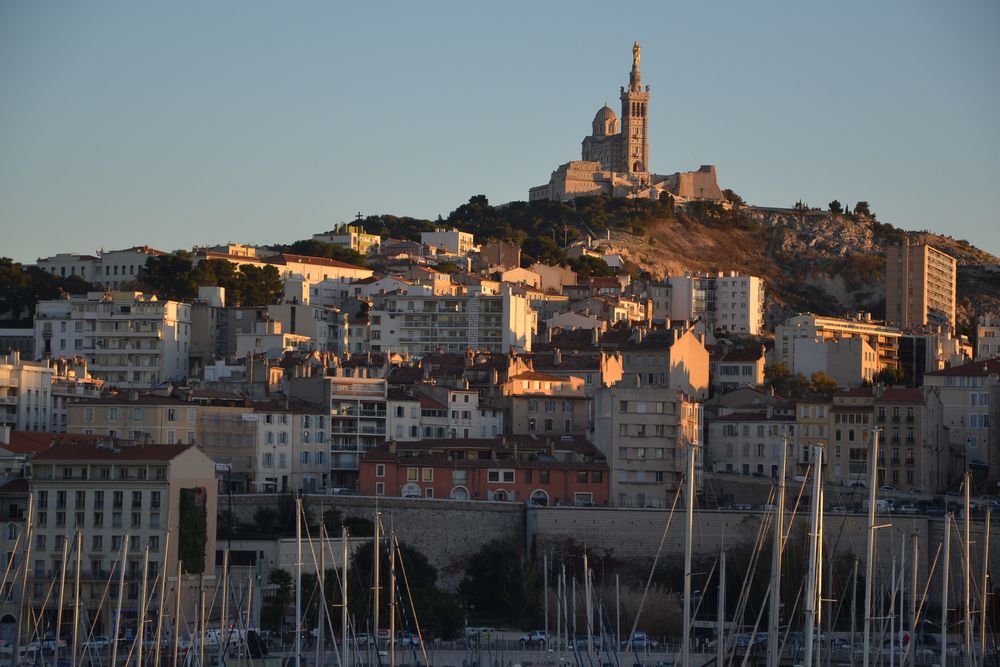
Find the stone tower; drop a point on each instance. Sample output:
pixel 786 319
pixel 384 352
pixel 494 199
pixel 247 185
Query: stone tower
pixel 634 151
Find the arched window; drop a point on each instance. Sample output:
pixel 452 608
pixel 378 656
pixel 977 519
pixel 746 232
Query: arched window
pixel 459 493
pixel 500 495
pixel 539 497
pixel 410 491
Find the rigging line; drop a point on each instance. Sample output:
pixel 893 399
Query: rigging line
pixel 652 570
pixel 104 597
pixel 760 613
pixel 745 588
pixel 409 596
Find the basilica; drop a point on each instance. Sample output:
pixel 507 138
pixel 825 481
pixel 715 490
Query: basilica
pixel 615 157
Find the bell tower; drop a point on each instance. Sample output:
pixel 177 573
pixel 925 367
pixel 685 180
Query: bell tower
pixel 634 150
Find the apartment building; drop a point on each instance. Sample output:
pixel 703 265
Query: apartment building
pixel 358 413
pixel 66 265
pixel 25 394
pixel 919 286
pixel 812 427
pixel 849 437
pixel 914 447
pixel 420 325
pixel 965 398
pixel 119 269
pixel 135 417
pixel 129 339
pixel 729 302
pixel 737 368
pixel 452 240
pixel 543 404
pixel 352 237
pixel 71 382
pixel 292 446
pixel 124 503
pixel 566 470
pixel 644 432
pixel 987 338
pixel 748 443
pixel 882 341
pixel 667 358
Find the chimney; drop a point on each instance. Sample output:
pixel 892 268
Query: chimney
pixel 595 336
pixel 557 357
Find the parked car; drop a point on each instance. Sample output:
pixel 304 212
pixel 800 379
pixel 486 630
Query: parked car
pixel 405 639
pixel 908 508
pixel 97 643
pixel 364 639
pixel 641 641
pixel 533 638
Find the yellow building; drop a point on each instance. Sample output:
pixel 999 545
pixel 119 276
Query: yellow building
pixel 919 286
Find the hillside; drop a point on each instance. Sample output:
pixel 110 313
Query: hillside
pixel 812 260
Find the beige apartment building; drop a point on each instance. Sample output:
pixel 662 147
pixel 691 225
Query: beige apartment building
pixel 913 448
pixel 807 342
pixel 851 424
pixel 812 417
pixel 644 432
pixel 543 404
pixel 122 502
pixel 919 286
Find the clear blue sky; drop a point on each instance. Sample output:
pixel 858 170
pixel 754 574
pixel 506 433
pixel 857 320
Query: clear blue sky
pixel 180 123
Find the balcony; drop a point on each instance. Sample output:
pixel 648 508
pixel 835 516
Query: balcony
pixel 895 419
pixel 910 419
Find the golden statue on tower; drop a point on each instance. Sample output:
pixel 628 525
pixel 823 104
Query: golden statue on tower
pixel 635 54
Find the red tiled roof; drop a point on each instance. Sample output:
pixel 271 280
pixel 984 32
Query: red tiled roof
pixel 431 403
pixel 901 395
pixel 971 369
pixel 535 375
pixel 73 452
pixel 285 258
pixel 34 442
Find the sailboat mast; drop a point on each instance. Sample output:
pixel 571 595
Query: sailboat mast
pixel 76 595
pixel 688 535
pixel 298 580
pixel 913 598
pixel 813 538
pixel 966 593
pixel 141 634
pixel 392 600
pixel 345 544
pixel 321 609
pixel 377 560
pixel 223 629
pixel 854 605
pixel 118 605
pixel 720 621
pixel 177 608
pixel 773 643
pixel 870 548
pixel 985 592
pixel 944 590
pixel 161 601
pixel 586 598
pixel 62 587
pixel 545 593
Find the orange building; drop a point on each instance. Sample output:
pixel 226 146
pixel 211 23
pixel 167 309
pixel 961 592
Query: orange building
pixel 564 470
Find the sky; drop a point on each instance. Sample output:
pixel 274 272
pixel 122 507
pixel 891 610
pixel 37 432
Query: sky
pixel 183 123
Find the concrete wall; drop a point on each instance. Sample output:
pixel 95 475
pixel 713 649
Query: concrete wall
pixel 448 532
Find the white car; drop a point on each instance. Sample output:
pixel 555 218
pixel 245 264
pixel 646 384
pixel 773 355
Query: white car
pixel 533 638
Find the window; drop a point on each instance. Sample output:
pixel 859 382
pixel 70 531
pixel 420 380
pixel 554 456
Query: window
pixel 380 488
pixel 427 474
pixel 98 519
pixel 380 470
pixel 411 474
pixel 171 414
pixel 543 476
pixel 97 543
pixel 137 500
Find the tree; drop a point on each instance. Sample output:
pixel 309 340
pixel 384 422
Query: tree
pixel 835 207
pixel 259 285
pixel 778 377
pixel 169 276
pixel 266 520
pixel 890 376
pixel 500 580
pixel 438 613
pixel 542 249
pixel 274 609
pixel 587 267
pixel 862 208
pixel 447 267
pixel 733 198
pixel 316 248
pixel 823 383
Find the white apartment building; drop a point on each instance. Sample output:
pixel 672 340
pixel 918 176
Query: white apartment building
pixel 71 383
pixel 66 265
pixel 351 237
pixel 420 325
pixel 644 431
pixel 358 412
pixel 749 443
pixel 965 398
pixel 145 495
pixel 25 394
pixel 129 339
pixel 729 302
pixel 119 269
pixel 882 339
pixel 987 338
pixel 293 446
pixel 452 240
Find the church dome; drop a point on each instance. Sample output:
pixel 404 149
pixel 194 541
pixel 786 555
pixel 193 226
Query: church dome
pixel 605 122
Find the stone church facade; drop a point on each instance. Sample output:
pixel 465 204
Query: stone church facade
pixel 615 157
